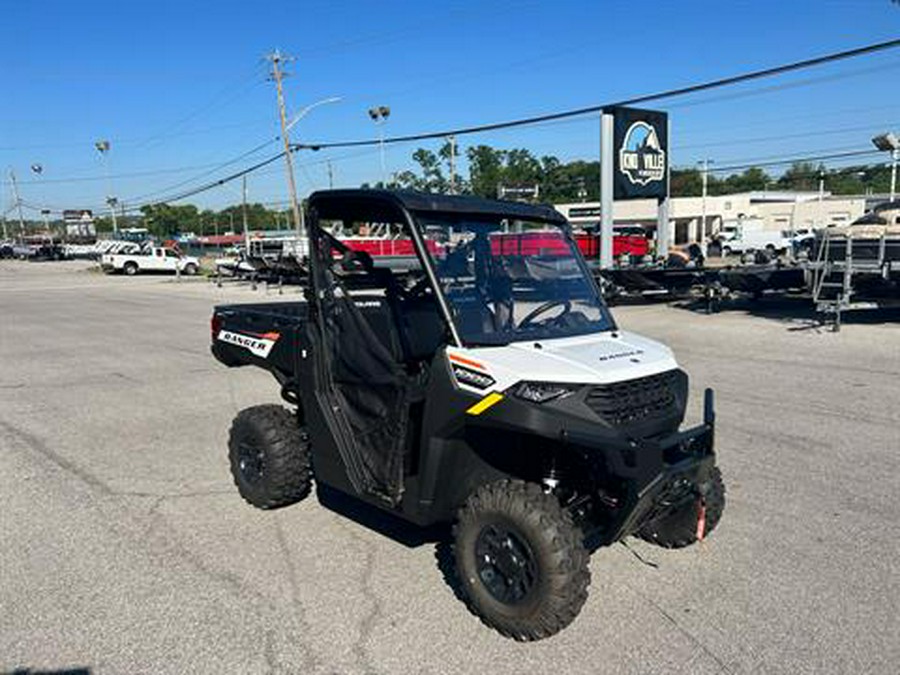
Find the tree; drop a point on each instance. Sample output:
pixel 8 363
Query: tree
pixel 685 183
pixel 801 176
pixel 486 169
pixel 753 179
pixel 166 220
pixel 432 178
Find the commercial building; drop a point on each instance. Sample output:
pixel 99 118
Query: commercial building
pixel 774 210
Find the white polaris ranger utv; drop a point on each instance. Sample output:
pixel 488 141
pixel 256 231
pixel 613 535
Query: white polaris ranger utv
pixel 483 384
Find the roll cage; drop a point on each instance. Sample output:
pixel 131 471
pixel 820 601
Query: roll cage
pixel 332 260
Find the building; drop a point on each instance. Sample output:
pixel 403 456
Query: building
pixel 775 210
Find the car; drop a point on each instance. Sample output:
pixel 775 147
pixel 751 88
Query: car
pixel 488 388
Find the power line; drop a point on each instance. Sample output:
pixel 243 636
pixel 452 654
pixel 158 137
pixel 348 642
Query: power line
pixel 793 160
pixel 131 174
pixel 805 134
pixel 187 181
pixel 670 93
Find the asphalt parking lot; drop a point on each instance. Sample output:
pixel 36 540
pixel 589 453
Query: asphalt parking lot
pixel 124 547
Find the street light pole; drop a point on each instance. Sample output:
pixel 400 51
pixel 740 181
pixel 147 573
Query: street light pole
pixel 379 115
pixel 890 143
pixel 895 156
pixel 701 235
pixel 103 148
pixel 821 197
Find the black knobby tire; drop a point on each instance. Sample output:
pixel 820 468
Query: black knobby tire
pixel 130 269
pixel 543 543
pixel 679 529
pixel 270 457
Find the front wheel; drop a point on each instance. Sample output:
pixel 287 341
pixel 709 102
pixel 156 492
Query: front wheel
pixel 679 528
pixel 520 559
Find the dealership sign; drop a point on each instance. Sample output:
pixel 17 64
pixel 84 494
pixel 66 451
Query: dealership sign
pixel 641 156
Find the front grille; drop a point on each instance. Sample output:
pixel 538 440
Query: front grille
pixel 635 400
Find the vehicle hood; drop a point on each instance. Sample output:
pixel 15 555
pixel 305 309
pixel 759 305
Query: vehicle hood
pixel 599 358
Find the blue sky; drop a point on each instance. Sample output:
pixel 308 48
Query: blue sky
pixel 179 88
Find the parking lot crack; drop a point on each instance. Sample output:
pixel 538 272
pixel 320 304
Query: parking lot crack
pixel 693 639
pixel 300 636
pixel 37 446
pixel 370 619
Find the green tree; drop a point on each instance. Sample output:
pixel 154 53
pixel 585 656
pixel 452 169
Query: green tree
pixel 685 182
pixel 751 180
pixel 166 220
pixel 486 169
pixel 434 172
pixel 802 176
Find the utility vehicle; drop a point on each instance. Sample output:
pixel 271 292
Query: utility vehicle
pixel 487 386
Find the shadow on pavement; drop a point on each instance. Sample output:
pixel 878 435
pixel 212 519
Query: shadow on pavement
pixel 380 521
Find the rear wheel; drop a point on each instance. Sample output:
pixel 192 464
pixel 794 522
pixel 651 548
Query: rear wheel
pixel 270 457
pixel 679 528
pixel 190 269
pixel 726 251
pixel 130 268
pixel 521 560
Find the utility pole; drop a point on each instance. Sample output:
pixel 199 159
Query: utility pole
pixel 18 200
pixel 244 215
pixel 277 60
pixel 452 140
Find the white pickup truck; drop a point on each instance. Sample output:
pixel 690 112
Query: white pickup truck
pixel 156 259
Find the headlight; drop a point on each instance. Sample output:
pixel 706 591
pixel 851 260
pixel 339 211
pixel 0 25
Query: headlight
pixel 471 377
pixel 541 392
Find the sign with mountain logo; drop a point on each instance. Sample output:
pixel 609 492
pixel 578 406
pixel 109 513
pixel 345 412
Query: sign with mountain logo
pixel 641 153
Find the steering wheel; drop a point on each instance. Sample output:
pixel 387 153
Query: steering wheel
pixel 418 289
pixel 541 309
pixel 352 260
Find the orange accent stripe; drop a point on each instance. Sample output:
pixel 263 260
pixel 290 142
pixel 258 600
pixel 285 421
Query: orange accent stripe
pixel 465 361
pixel 271 336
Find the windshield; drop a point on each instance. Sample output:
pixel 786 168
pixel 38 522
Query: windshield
pixel 509 281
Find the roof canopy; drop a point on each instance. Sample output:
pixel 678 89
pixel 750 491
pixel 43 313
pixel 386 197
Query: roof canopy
pixel 388 205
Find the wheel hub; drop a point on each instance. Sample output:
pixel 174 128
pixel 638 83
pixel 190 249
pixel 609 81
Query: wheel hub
pixel 505 564
pixel 251 462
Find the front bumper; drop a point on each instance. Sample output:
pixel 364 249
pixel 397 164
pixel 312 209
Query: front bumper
pixel 670 470
pixel 637 469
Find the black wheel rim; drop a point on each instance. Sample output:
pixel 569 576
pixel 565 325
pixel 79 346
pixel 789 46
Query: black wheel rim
pixel 505 564
pixel 251 462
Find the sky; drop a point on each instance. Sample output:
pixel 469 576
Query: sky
pixel 180 89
